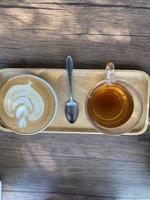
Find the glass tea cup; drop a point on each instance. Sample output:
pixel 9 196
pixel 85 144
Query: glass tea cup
pixel 113 106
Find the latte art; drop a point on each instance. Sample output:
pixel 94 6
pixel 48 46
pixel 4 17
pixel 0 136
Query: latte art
pixel 28 104
pixel 25 103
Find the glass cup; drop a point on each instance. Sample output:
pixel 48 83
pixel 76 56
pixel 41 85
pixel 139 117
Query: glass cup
pixel 113 106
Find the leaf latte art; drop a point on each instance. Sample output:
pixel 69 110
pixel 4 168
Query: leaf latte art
pixel 25 103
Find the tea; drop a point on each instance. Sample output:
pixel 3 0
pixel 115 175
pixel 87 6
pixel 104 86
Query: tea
pixel 110 105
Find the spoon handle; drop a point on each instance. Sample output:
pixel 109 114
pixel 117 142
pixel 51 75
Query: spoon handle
pixel 69 65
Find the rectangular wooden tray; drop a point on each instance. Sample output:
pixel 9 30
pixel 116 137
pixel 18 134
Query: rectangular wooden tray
pixel 83 81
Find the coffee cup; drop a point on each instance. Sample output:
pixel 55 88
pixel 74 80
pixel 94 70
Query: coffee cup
pixel 28 104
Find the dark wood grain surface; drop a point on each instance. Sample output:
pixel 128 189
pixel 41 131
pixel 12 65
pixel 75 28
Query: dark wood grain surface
pixel 64 167
pixel 41 33
pixel 75 167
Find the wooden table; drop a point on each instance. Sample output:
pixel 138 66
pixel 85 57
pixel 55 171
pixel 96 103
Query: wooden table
pixel 75 167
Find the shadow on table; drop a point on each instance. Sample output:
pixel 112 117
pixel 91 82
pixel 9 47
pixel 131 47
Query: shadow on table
pixel 82 166
pixel 35 164
pixel 43 34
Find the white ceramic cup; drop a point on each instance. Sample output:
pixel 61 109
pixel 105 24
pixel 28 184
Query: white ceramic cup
pixel 28 104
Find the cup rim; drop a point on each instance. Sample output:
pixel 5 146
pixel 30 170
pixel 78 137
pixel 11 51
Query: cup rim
pixel 120 82
pixel 55 100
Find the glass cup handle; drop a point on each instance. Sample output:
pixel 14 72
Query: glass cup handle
pixel 110 72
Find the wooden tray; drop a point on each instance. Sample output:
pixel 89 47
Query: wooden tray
pixel 84 80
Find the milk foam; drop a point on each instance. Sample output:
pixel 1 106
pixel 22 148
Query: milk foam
pixel 25 103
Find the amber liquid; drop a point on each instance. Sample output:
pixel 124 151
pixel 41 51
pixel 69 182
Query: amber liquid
pixel 110 105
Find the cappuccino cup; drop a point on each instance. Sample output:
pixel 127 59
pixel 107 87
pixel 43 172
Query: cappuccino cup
pixel 28 104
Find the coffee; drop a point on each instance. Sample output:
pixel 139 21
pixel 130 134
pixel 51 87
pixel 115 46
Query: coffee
pixel 27 104
pixel 110 105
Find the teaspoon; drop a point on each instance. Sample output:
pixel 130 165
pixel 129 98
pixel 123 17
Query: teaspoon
pixel 71 106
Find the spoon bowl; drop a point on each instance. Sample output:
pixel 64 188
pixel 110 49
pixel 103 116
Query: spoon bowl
pixel 71 110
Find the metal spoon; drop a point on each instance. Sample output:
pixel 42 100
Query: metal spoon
pixel 71 106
